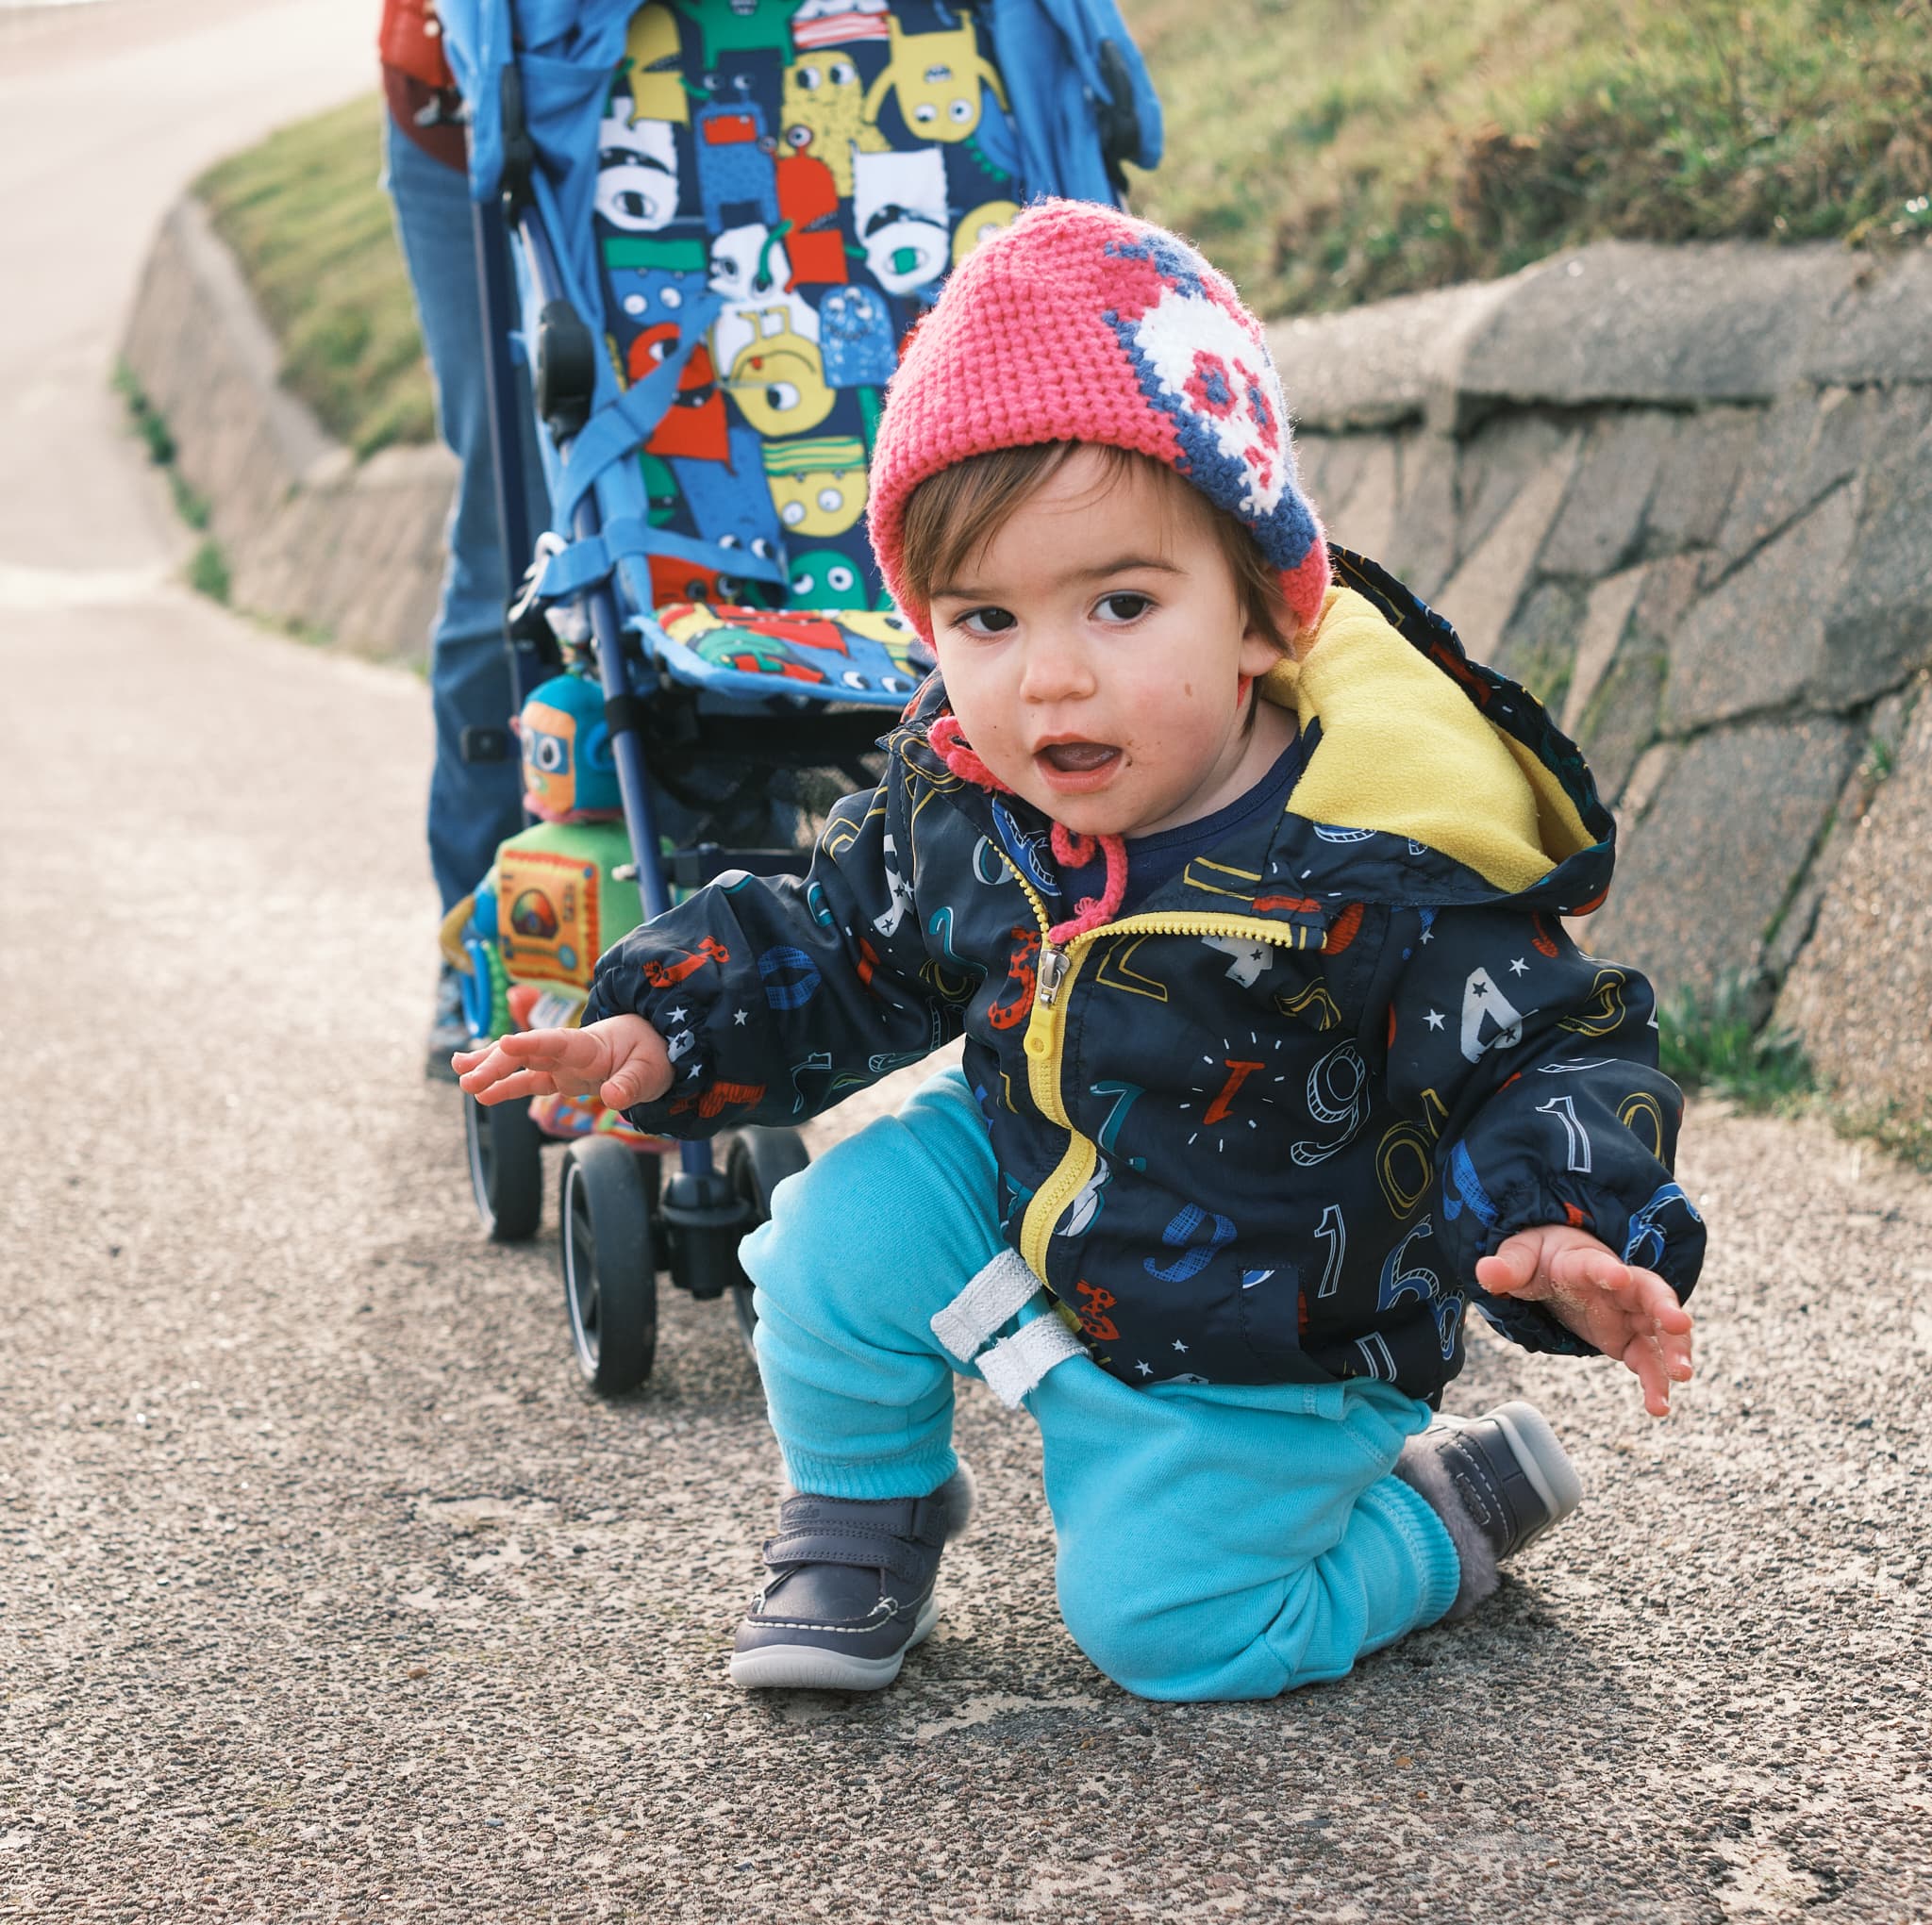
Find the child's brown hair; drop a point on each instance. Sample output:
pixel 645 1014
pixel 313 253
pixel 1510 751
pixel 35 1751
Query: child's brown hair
pixel 951 515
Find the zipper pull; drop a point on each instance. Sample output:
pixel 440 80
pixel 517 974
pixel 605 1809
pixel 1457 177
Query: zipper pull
pixel 1051 970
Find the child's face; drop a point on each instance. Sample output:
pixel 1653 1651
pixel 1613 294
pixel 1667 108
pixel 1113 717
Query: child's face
pixel 1094 651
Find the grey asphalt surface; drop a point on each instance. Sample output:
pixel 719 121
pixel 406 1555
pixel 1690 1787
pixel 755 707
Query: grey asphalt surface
pixel 327 1594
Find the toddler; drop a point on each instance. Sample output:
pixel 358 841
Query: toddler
pixel 1245 889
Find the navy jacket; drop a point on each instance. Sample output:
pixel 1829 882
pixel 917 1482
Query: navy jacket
pixel 1260 1129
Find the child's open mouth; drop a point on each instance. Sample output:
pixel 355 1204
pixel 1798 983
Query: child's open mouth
pixel 1072 767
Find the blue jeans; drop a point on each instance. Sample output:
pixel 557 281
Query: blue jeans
pixel 1214 1540
pixel 472 805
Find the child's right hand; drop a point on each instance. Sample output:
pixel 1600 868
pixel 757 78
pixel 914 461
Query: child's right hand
pixel 621 1061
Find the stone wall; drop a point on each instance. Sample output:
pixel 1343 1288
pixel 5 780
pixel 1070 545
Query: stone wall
pixel 313 538
pixel 1683 493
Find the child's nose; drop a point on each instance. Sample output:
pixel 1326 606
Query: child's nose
pixel 1057 669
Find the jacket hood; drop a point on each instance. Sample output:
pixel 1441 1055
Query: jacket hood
pixel 1403 749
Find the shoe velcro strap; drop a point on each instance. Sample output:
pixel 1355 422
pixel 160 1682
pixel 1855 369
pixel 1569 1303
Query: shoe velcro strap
pixel 923 1517
pixel 863 1549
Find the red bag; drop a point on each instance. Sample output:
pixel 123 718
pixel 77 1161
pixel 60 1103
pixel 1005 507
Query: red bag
pixel 410 40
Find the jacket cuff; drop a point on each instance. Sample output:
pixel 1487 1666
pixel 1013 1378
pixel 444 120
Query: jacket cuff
pixel 1663 1234
pixel 1531 1326
pixel 683 1021
pixel 598 1005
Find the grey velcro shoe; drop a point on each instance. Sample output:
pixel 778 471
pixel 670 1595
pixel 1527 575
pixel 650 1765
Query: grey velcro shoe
pixel 851 1589
pixel 1498 1481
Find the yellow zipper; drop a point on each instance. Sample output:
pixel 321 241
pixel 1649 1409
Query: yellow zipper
pixel 1046 1028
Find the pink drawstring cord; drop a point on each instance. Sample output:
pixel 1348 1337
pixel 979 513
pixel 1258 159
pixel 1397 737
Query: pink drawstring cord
pixel 1069 849
pixel 948 744
pixel 1075 852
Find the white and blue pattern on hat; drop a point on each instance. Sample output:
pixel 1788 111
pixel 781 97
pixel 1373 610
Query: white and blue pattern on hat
pixel 1200 360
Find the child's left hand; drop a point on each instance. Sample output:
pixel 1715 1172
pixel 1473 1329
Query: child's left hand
pixel 1628 1313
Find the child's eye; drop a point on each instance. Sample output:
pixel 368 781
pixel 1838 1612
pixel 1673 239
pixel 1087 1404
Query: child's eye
pixel 1124 606
pixel 985 623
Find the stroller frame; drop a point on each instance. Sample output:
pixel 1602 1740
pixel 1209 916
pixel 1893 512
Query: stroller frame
pixel 1073 103
pixel 620 1219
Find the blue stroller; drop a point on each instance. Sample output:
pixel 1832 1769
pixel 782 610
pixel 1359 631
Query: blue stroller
pixel 708 227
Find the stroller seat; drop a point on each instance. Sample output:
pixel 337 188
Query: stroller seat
pixel 748 205
pixel 840 656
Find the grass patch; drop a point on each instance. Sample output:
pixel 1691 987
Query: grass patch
pixel 307 216
pixel 310 633
pixel 1370 150
pixel 1709 1043
pixel 1901 1133
pixel 1880 760
pixel 207 571
pixel 149 426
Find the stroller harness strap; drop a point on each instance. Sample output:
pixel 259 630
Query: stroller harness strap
pixel 615 432
pixel 589 559
pixel 626 421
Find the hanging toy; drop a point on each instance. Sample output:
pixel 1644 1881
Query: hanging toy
pixel 526 943
pixel 570 774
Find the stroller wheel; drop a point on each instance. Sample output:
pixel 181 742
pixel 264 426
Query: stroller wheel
pixel 758 1162
pixel 609 1266
pixel 506 1167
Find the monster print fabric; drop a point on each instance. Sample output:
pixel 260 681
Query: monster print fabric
pixel 823 187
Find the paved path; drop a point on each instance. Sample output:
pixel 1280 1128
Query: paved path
pixel 326 1594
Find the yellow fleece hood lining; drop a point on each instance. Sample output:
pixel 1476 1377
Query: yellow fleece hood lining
pixel 1405 751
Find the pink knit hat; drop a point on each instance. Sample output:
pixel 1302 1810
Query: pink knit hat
pixel 1081 324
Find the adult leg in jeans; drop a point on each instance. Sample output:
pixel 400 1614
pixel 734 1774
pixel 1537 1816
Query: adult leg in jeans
pixel 472 805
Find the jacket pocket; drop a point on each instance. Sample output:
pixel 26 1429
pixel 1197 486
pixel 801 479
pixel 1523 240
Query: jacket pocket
pixel 1270 1308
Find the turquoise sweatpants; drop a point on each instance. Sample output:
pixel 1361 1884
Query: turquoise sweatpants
pixel 1215 1540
